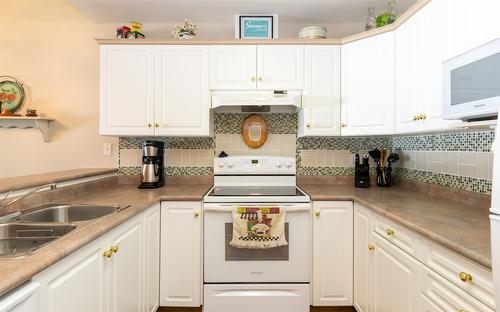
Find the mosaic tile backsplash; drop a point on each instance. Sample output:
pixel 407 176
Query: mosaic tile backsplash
pixel 460 160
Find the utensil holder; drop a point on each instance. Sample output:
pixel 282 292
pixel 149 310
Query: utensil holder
pixel 384 176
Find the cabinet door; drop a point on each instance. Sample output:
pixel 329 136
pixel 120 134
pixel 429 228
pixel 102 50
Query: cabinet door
pixel 126 90
pixel 126 268
pixel 180 281
pixel 395 280
pixel 233 67
pixel 320 114
pixel 152 258
pixel 368 86
pixel 363 259
pixel 332 253
pixel 77 283
pixel 410 78
pixel 182 101
pixel 280 67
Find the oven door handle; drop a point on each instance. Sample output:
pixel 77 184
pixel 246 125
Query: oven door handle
pixel 230 208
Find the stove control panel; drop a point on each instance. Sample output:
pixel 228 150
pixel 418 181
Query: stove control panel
pixel 254 165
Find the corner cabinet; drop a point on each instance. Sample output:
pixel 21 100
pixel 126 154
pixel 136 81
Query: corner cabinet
pixel 148 90
pixel 332 253
pixel 320 114
pixel 368 86
pixel 112 273
pixel 181 254
pixel 250 67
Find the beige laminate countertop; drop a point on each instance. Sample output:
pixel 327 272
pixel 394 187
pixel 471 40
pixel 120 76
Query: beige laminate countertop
pixel 15 271
pixel 461 227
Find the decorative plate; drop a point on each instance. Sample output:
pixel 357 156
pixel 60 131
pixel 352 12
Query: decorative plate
pixel 254 131
pixel 11 95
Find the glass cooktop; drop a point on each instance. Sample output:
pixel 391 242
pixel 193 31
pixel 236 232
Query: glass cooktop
pixel 256 191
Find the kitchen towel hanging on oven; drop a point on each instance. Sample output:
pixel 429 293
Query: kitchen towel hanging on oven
pixel 258 227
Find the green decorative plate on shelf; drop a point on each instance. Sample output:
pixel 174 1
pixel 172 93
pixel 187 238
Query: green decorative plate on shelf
pixel 11 95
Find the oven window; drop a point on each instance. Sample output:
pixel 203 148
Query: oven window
pixel 241 254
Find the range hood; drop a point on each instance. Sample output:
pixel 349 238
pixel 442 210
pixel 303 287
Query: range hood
pixel 256 101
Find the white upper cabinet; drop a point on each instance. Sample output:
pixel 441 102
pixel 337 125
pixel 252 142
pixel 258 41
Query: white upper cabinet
pixel 182 94
pixel 280 67
pixel 421 45
pixel 127 90
pixel 320 114
pixel 250 67
pixel 233 67
pixel 368 86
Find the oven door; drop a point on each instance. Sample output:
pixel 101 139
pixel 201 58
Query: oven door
pixel 226 264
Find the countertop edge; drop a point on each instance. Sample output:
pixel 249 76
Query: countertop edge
pixel 28 181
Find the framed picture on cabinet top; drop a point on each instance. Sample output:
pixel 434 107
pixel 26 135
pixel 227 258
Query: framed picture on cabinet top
pixel 256 26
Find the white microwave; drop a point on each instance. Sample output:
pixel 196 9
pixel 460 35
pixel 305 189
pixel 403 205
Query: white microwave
pixel 471 83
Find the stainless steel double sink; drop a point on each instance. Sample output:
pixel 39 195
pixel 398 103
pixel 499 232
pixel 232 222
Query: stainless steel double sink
pixel 42 225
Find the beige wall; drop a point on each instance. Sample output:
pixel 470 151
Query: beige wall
pixel 50 46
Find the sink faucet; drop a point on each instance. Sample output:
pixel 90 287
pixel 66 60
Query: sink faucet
pixel 52 186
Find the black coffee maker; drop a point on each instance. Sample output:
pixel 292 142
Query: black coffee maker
pixel 152 171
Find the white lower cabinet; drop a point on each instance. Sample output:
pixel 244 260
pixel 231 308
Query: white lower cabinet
pixel 395 280
pixel 396 269
pixel 181 250
pixel 332 253
pixel 363 259
pixel 106 274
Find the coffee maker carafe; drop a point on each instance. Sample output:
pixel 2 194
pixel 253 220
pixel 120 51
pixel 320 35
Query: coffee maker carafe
pixel 152 171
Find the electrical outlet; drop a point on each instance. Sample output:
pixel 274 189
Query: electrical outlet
pixel 108 149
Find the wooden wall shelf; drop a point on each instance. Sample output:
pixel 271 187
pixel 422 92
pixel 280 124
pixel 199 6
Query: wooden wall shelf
pixel 41 123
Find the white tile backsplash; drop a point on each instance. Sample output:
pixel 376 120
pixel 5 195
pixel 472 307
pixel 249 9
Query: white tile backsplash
pixel 470 164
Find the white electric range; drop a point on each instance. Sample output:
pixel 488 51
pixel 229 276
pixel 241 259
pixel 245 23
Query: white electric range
pixel 256 279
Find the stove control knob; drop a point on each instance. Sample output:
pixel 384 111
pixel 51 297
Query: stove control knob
pixel 230 164
pixel 288 164
pixel 279 164
pixel 221 163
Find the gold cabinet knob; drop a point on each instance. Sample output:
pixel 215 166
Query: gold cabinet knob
pixel 465 277
pixel 108 253
pixel 317 213
pixel 343 125
pixel 415 118
pixel 424 116
pixel 260 78
pixel 150 125
pixel 114 249
pixel 253 78
pixel 390 232
pixel 308 125
pixel 463 310
pixel 371 247
pixel 196 214
pixel 157 125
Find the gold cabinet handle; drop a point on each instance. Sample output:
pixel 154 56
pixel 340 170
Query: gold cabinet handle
pixel 108 253
pixel 371 247
pixel 308 125
pixel 424 116
pixel 150 125
pixel 390 232
pixel 463 310
pixel 260 78
pixel 157 125
pixel 415 118
pixel 343 125
pixel 114 249
pixel 465 277
pixel 317 213
pixel 253 78
pixel 196 214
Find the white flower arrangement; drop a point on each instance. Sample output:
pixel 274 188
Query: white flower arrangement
pixel 185 31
